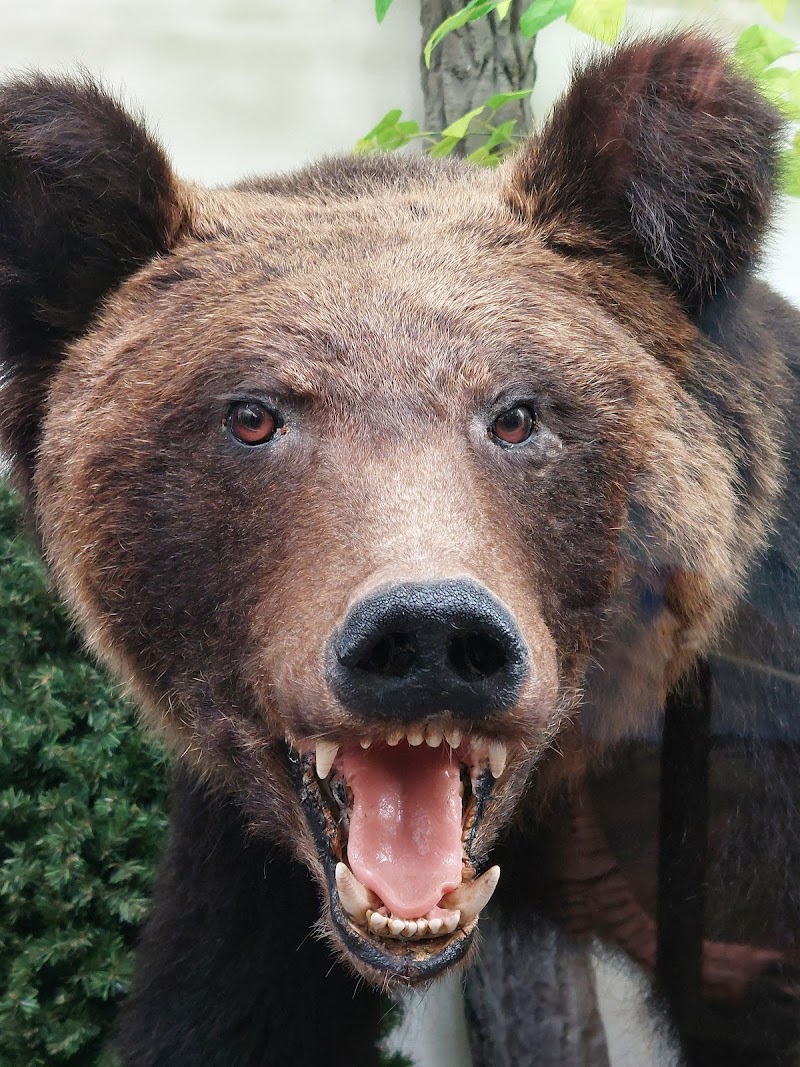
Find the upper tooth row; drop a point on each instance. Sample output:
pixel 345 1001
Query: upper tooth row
pixel 497 752
pixel 432 735
pixel 327 751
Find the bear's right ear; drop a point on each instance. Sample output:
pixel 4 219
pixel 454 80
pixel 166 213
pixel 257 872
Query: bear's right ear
pixel 86 197
pixel 661 152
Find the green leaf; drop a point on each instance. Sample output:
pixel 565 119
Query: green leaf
pixel 502 99
pixel 776 8
pixel 389 134
pixel 443 147
pixel 483 157
pixel 381 7
pixel 497 145
pixel 541 13
pixel 501 134
pixel 601 19
pixel 475 9
pixel 782 88
pixel 458 129
pixel 504 7
pixel 386 123
pixel 399 136
pixel 479 155
pixel 790 169
pixel 759 46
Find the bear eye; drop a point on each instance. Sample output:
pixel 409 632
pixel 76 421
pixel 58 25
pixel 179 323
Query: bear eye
pixel 515 426
pixel 252 423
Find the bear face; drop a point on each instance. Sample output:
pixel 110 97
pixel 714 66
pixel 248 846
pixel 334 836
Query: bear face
pixel 242 655
pixel 347 475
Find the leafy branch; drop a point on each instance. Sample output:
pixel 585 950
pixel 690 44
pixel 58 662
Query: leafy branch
pixel 393 132
pixel 758 50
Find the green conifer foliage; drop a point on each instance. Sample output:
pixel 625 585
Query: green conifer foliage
pixel 82 800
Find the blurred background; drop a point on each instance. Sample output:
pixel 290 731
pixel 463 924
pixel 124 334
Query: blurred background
pixel 237 87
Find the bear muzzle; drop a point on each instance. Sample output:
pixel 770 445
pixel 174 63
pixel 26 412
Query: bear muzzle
pixel 427 672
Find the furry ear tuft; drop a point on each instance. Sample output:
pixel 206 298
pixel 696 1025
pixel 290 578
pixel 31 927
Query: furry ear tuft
pixel 664 152
pixel 86 197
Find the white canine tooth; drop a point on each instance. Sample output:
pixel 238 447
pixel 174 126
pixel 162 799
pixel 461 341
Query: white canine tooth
pixel 415 736
pixel 394 738
pixel 434 926
pixel 378 922
pixel 472 897
pixel 433 736
pixel 422 927
pixel 396 927
pixel 326 754
pixel 356 899
pixel 365 742
pixel 453 737
pixel 498 753
pixel 410 928
pixel 451 922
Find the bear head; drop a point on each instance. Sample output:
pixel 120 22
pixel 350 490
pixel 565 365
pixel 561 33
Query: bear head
pixel 343 473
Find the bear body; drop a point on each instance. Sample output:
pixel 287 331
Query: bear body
pixel 398 494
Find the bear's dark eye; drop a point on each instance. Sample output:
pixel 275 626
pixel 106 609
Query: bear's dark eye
pixel 514 426
pixel 252 423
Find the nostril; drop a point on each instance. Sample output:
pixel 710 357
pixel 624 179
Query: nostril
pixel 475 655
pixel 427 647
pixel 392 655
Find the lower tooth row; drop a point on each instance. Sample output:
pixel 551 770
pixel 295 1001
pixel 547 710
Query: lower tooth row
pixel 411 929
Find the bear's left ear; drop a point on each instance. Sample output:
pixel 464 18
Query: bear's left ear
pixel 86 197
pixel 662 151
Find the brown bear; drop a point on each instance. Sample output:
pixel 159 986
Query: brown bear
pixel 395 491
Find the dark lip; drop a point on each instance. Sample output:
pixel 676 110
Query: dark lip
pixel 411 963
pixel 409 966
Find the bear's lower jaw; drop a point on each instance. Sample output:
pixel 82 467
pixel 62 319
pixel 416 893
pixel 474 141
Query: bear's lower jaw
pixel 383 946
pixel 396 963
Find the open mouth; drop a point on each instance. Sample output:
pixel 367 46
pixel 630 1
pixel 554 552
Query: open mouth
pixel 395 817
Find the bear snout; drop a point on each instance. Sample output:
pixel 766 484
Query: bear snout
pixel 413 649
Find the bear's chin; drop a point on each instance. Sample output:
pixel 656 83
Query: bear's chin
pixel 391 962
pixel 386 949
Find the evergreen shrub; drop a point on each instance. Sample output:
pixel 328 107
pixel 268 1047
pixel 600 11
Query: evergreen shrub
pixel 82 800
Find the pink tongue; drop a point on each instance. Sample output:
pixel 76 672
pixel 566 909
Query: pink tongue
pixel 405 831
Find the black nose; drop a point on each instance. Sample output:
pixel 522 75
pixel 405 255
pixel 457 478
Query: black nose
pixel 409 651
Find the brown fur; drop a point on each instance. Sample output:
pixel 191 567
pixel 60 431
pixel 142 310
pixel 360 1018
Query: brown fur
pixel 389 309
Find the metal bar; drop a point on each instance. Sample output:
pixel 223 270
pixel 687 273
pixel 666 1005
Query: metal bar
pixel 683 834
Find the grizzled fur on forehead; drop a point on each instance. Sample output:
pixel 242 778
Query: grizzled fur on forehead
pixel 369 295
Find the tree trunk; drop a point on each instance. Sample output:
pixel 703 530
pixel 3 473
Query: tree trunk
pixel 474 63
